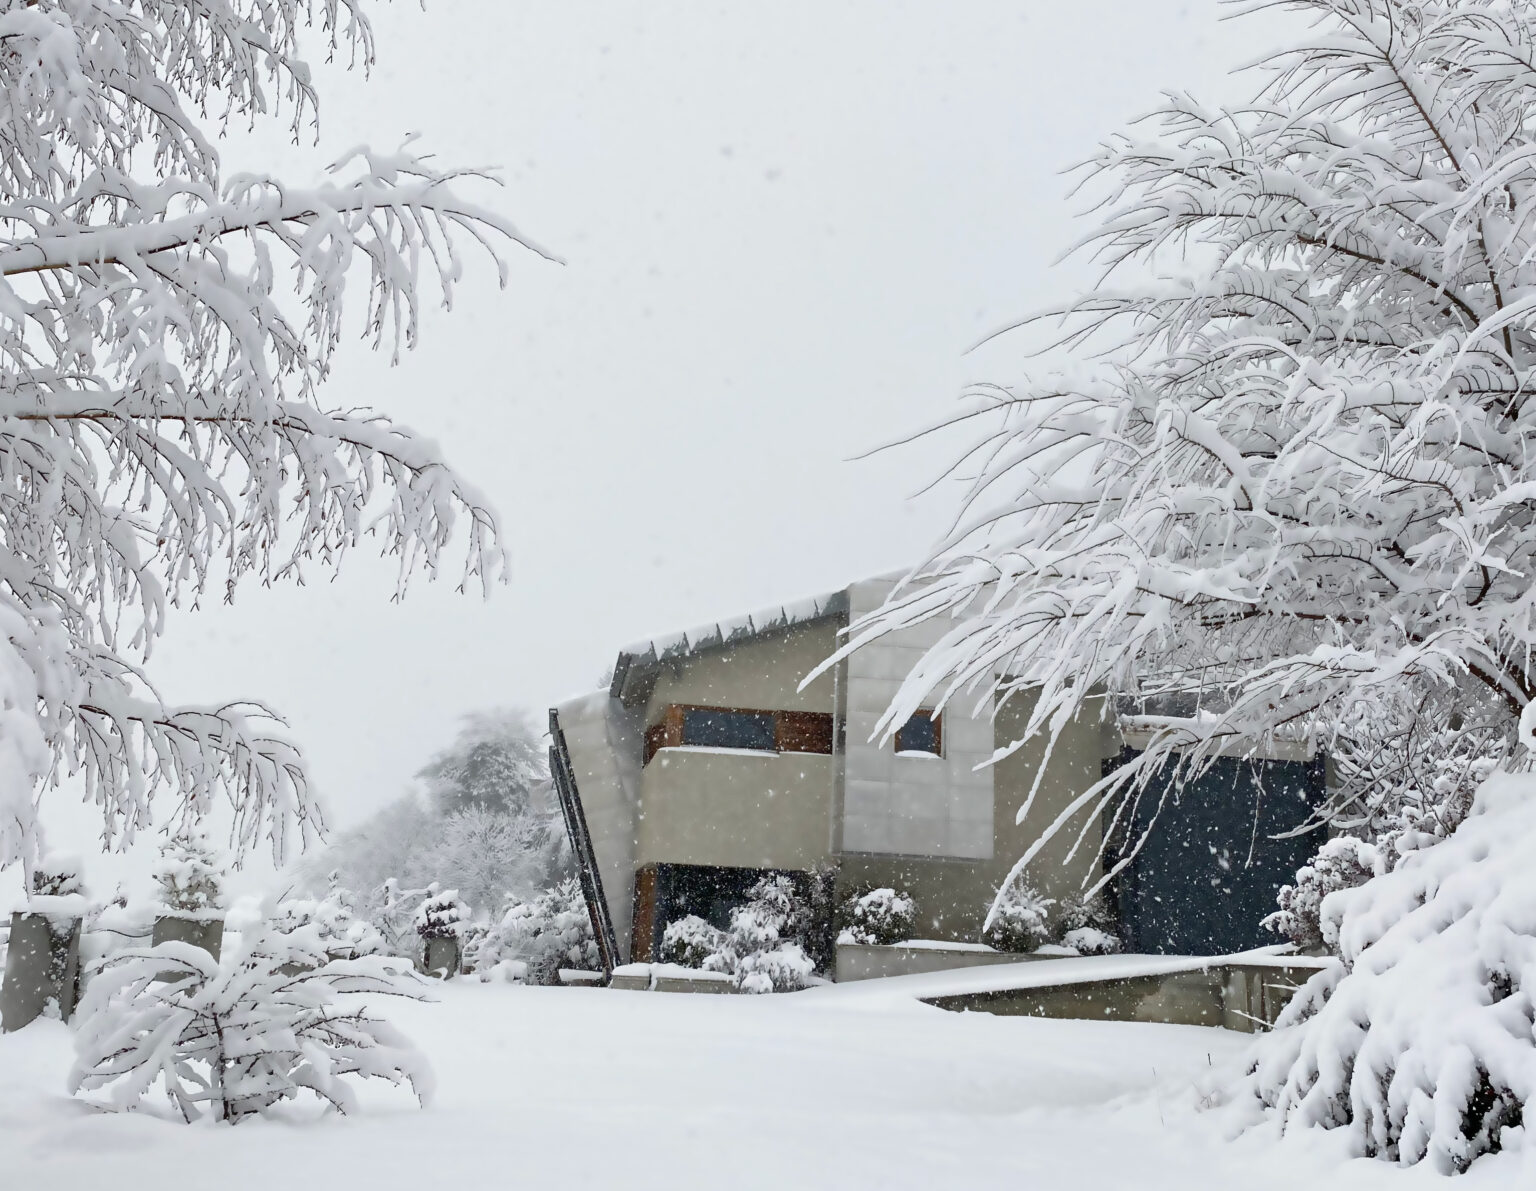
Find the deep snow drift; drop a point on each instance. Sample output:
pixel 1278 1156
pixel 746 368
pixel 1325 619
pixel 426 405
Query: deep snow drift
pixel 596 1088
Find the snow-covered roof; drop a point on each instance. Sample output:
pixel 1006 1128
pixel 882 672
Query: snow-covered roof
pixel 640 660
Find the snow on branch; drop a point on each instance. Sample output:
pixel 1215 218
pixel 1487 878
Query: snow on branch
pixel 164 333
pixel 1286 474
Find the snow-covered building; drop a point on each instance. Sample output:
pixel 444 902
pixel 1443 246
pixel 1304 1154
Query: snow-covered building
pixel 706 763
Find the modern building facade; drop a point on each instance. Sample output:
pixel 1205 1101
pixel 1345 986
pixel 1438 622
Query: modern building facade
pixel 710 760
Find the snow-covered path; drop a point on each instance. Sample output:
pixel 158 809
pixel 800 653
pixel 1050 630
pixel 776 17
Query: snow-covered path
pixel 576 1088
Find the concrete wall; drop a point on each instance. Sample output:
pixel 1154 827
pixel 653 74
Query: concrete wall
pixel 1236 996
pixel 760 674
pixel 953 895
pixel 735 809
pixel 859 961
pixel 604 743
pixel 919 805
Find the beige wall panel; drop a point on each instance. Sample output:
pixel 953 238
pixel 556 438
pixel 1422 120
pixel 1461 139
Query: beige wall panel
pixel 739 810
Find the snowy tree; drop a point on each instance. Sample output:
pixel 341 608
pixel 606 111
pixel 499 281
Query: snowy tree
pixel 1286 489
pixel 1286 482
pixel 496 763
pixel 189 875
pixel 487 826
pixel 165 329
pixel 231 1040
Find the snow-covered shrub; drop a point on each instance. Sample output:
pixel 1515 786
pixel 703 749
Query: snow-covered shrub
pixel 690 941
pixel 876 916
pixel 234 1038
pixel 1417 1039
pixel 327 924
pixel 393 915
pixel 1019 920
pixel 1091 940
pixel 1086 924
pixel 58 875
pixel 760 951
pixel 189 874
pixel 1341 863
pixel 551 932
pixel 441 916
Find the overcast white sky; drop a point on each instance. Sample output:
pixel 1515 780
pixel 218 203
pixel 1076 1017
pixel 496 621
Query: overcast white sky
pixel 782 225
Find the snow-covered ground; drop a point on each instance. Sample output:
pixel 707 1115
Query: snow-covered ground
pixel 836 1088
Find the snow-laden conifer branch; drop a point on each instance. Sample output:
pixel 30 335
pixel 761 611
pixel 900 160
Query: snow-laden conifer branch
pixel 1289 474
pixel 164 332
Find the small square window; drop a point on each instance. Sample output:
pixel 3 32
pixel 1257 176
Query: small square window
pixel 921 734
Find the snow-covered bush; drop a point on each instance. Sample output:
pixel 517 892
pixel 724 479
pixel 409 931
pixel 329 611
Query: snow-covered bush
pixel 1019 920
pixel 551 932
pixel 1086 924
pixel 442 916
pixel 189 874
pixel 761 950
pixel 394 909
pixel 234 1038
pixel 327 924
pixel 1417 1039
pixel 1341 863
pixel 58 875
pixel 1091 940
pixel 876 916
pixel 690 941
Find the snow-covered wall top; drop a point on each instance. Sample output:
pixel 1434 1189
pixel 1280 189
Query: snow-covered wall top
pixel 910 805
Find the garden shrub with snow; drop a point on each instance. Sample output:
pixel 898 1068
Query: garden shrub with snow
pixel 1418 1039
pixel 189 875
pixel 327 924
pixel 690 941
pixel 551 932
pixel 762 950
pixel 1019 920
pixel 877 917
pixel 233 1038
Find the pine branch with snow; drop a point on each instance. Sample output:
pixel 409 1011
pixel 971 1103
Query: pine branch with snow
pixel 233 1039
pixel 165 332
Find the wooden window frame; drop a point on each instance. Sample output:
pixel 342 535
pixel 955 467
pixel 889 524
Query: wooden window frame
pixel 793 731
pixel 938 733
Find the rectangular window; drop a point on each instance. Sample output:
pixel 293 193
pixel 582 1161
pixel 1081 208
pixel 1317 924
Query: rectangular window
pixel 921 734
pixel 714 728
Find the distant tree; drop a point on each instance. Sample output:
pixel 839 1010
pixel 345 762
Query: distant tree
pixel 165 331
pixel 496 763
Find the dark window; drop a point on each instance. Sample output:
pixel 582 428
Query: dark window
pixel 920 734
pixel 729 729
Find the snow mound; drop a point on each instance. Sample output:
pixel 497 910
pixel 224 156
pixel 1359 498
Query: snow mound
pixel 1419 1039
